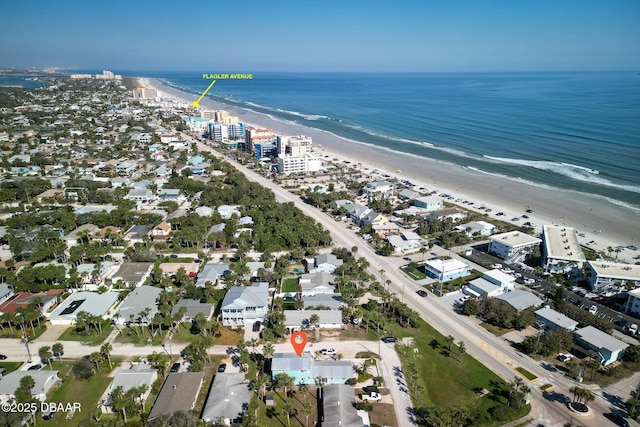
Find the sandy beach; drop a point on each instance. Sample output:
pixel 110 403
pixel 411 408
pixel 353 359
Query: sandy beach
pixel 600 220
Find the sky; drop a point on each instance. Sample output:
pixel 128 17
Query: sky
pixel 322 36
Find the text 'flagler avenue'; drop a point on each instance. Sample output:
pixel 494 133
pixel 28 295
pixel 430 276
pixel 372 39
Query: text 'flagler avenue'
pixel 227 76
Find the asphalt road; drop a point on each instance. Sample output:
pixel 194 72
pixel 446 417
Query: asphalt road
pixel 490 350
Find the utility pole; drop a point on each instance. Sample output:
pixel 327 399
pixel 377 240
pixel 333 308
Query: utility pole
pixel 25 338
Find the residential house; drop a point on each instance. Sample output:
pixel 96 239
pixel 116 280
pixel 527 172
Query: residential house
pixel 228 400
pixel 227 211
pixel 172 268
pixel 378 190
pixel 244 304
pixel 326 262
pixel 449 213
pixel 548 318
pixel 140 195
pixel 161 231
pixel 405 243
pixel 24 299
pixel 75 237
pixel 608 348
pixel 373 218
pixel 506 281
pixel 520 300
pixel 298 367
pixel 338 403
pixel 171 195
pixel 6 292
pixel 313 284
pixel 179 393
pixel 139 306
pixel 296 320
pixel 101 305
pixel 43 381
pixel 212 272
pixel 328 301
pixel 193 307
pixel 407 194
pixel 132 273
pixel 446 269
pixel 430 203
pixel 139 375
pixel 477 228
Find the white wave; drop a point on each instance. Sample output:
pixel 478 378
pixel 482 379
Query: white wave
pixel 575 172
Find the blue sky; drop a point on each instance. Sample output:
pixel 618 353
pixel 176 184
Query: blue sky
pixel 329 35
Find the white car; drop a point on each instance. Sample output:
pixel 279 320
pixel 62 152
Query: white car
pixel 328 352
pixel 497 266
pixel 374 397
pixel 529 281
pixel 593 309
pixel 633 329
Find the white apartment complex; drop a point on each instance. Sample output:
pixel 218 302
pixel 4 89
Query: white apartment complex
pixel 561 251
pixel 304 164
pixel 512 246
pixel 603 275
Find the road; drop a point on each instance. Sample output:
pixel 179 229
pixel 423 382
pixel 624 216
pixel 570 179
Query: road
pixel 490 350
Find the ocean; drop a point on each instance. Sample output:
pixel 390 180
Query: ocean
pixel 573 131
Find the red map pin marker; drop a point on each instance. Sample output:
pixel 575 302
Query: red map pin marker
pixel 298 341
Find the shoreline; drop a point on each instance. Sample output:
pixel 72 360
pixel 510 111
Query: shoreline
pixel 599 219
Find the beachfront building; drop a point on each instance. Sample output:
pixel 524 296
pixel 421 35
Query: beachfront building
pixel 254 136
pixel 429 203
pixel 195 123
pixel 606 276
pixel 608 349
pixel 304 164
pixel 561 251
pixel 633 302
pixel 476 228
pixel 548 318
pixel 513 245
pixel 378 190
pixel 294 145
pixel 446 269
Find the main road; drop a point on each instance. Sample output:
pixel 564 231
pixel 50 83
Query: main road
pixel 490 350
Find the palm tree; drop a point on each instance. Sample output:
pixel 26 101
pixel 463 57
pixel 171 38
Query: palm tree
pixel 45 354
pixel 58 348
pixel 450 340
pixel 289 411
pixel 267 350
pixel 307 409
pixel 106 350
pixel 96 358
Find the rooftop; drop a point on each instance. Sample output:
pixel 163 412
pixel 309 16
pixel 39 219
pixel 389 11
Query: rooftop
pixel 179 393
pixel 562 243
pixel 600 339
pixel 520 299
pixel 557 318
pixel 515 238
pixel 616 270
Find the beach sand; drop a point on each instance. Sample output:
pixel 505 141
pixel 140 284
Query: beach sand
pixel 600 220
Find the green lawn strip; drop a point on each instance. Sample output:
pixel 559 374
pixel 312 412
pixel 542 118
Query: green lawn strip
pixel 94 338
pixel 10 366
pixel 70 390
pixel 16 333
pixel 414 273
pixel 275 417
pixel 495 330
pixel 528 375
pixel 546 387
pixel 289 284
pixel 447 382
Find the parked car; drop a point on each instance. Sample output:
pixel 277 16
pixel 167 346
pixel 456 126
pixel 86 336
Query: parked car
pixel 370 389
pixel 422 293
pixel 389 340
pixel 564 357
pixel 593 309
pixel 497 266
pixel 633 329
pixel 175 367
pixel 256 327
pixel 617 419
pixel 222 367
pixel 2 357
pixel 373 397
pixel 35 367
pixel 328 352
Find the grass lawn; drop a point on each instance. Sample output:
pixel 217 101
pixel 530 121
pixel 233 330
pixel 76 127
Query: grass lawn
pixel 528 375
pixel 275 416
pixel 94 338
pixel 289 284
pixel 16 333
pixel 495 330
pixel 186 334
pixel 446 382
pixel 414 273
pixel 70 390
pixel 10 366
pixel 383 415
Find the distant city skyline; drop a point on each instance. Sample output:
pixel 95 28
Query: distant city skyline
pixel 411 36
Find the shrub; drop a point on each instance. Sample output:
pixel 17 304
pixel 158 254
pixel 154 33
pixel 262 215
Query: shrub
pixel 83 369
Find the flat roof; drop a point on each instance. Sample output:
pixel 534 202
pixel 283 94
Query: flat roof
pixel 562 243
pixel 520 299
pixel 446 265
pixel 616 270
pixel 499 276
pixel 92 302
pixel 484 285
pixel 600 339
pixel 515 238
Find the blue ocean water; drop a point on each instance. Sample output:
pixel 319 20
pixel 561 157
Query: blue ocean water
pixel 10 82
pixel 575 131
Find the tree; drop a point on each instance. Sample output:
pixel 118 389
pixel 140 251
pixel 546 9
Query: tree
pixel 106 350
pixel 307 409
pixel 450 340
pixel 284 381
pixel 289 411
pixel 45 354
pixel 83 369
pixel 462 349
pixel 96 358
pixel 58 348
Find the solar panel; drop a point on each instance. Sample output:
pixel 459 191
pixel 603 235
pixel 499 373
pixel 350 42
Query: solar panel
pixel 72 307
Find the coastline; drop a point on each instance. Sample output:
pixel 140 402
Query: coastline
pixel 599 219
